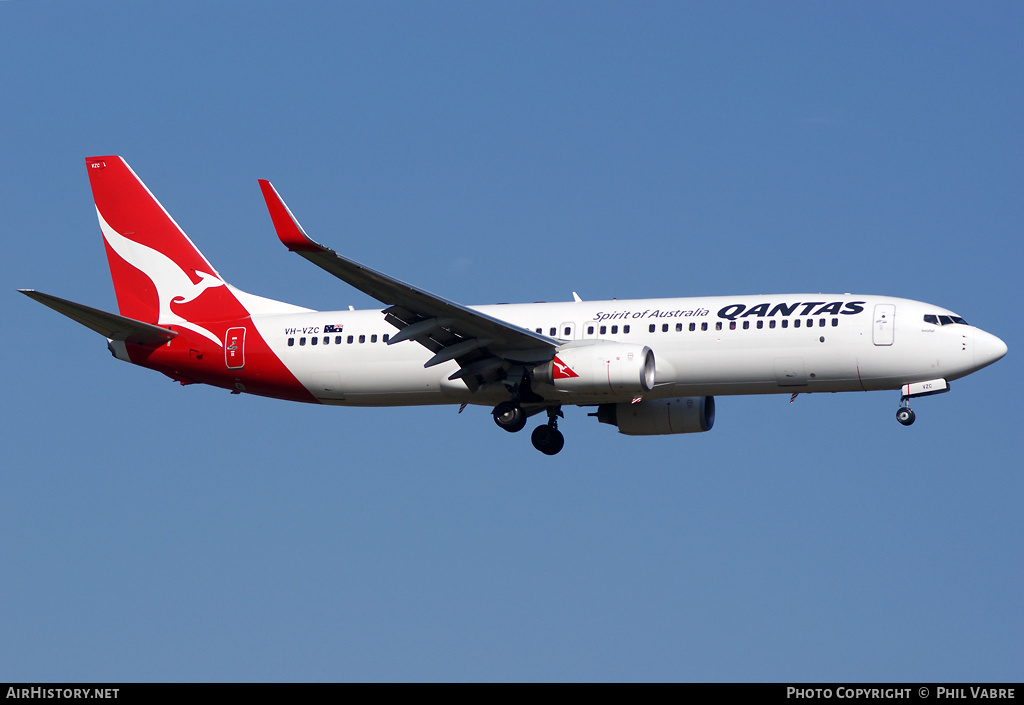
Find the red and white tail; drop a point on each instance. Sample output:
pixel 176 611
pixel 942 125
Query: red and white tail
pixel 159 276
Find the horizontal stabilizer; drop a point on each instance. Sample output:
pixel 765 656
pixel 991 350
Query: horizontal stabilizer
pixel 109 325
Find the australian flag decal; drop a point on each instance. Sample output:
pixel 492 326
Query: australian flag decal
pixel 332 329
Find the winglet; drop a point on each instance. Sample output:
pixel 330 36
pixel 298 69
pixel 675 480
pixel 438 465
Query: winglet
pixel 288 229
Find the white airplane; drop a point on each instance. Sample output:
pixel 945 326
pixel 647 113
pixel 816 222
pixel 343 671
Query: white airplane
pixel 649 366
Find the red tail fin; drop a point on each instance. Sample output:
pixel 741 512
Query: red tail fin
pixel 159 275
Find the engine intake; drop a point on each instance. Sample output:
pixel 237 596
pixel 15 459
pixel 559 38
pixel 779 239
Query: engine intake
pixel 660 416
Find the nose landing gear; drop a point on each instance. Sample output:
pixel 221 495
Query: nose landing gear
pixel 914 390
pixel 905 415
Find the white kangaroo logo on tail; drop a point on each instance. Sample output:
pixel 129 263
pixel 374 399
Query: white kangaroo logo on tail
pixel 171 282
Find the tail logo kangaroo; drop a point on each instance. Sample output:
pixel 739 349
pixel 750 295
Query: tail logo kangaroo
pixel 172 284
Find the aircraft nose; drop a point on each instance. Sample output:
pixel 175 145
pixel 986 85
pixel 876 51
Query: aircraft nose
pixel 987 348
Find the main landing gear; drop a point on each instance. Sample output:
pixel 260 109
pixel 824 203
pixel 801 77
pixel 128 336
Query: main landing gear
pixel 546 438
pixel 510 416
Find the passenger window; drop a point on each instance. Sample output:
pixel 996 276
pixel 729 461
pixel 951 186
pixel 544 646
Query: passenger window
pixel 693 327
pixel 566 331
pixel 553 331
pixel 625 329
pixel 746 325
pixel 760 325
pixel 615 329
pixel 732 325
pixel 679 327
pixel 373 338
pixel 796 323
pixel 835 322
pixel 362 339
pixel 604 329
pixel 718 325
pixel 302 341
pixel 651 328
pixel 291 342
pixel 821 323
pixel 704 325
pixel 537 330
pixel 664 328
pixel 337 340
pixel 350 339
pixel 314 340
pixel 785 323
pixel 771 323
pixel 386 337
pixel 327 340
pixel 590 330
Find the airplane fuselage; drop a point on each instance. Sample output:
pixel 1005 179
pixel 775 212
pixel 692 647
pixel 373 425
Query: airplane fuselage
pixel 702 346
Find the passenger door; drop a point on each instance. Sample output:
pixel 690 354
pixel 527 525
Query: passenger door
pixel 884 323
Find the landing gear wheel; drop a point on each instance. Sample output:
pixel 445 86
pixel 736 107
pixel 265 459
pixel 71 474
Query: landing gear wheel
pixel 905 415
pixel 547 440
pixel 509 416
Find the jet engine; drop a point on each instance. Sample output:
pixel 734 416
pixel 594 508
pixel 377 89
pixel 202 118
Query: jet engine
pixel 602 368
pixel 660 416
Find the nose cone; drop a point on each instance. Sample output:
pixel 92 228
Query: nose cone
pixel 987 348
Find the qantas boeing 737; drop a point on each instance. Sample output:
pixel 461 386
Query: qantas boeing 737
pixel 647 366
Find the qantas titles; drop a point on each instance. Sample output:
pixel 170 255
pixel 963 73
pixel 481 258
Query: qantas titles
pixel 734 311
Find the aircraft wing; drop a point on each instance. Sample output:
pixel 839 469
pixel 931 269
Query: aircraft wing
pixel 109 325
pixel 479 343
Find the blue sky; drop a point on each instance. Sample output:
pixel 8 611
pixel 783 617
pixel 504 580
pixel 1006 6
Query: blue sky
pixel 514 152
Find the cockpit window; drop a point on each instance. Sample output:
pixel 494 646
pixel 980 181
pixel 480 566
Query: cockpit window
pixel 943 320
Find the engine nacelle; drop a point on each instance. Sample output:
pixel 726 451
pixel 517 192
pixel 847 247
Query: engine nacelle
pixel 660 416
pixel 602 368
